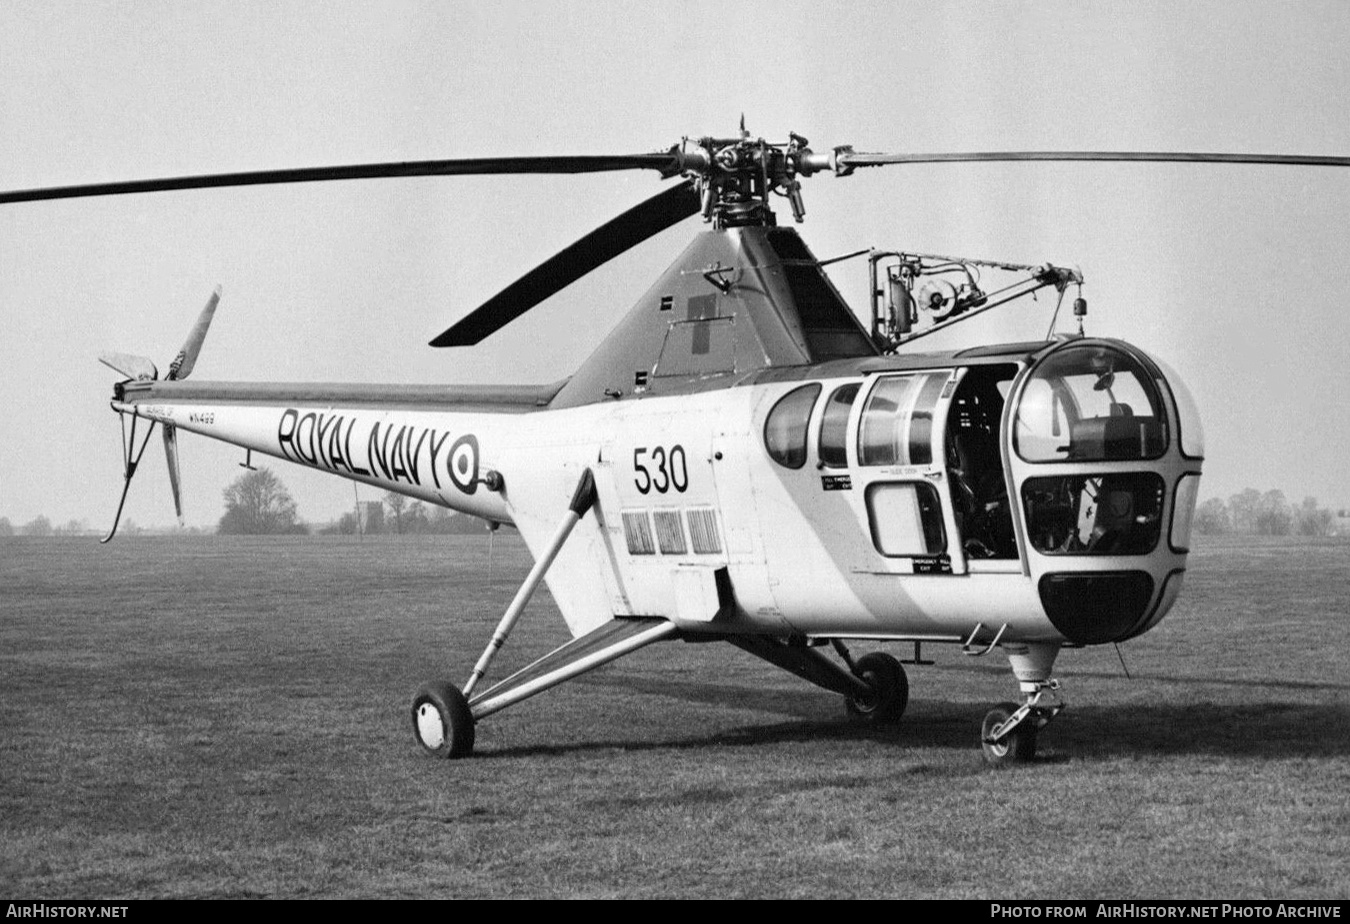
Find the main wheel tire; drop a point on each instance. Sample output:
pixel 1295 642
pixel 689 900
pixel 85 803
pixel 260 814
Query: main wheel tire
pixel 442 722
pixel 1017 747
pixel 890 689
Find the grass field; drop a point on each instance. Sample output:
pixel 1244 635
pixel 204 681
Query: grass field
pixel 211 717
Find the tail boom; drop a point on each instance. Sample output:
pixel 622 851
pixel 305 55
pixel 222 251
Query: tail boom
pixel 386 437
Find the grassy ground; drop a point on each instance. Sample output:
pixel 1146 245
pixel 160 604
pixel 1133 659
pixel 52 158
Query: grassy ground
pixel 211 717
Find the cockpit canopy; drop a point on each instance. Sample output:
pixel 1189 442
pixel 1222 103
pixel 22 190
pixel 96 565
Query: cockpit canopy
pixel 1090 403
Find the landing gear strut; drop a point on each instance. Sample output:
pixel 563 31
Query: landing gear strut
pixel 1009 732
pixel 442 720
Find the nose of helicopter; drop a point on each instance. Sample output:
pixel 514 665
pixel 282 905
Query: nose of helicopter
pixel 1106 452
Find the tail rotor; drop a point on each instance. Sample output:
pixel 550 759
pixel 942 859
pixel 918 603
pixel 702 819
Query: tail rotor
pixel 140 369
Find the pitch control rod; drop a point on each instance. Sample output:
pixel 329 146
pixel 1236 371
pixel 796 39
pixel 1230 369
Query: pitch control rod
pixel 582 500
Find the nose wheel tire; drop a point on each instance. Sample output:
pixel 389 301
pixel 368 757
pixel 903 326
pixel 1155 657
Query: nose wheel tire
pixel 1016 747
pixel 442 722
pixel 889 694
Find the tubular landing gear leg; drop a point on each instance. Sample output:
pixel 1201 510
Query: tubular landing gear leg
pixel 443 722
pixel 1009 732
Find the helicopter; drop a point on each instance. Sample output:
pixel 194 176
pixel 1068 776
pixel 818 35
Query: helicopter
pixel 741 459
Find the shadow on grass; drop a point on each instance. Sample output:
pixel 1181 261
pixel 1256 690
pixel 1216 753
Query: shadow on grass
pixel 1262 730
pixel 1073 673
pixel 803 732
pixel 1196 680
pixel 1255 729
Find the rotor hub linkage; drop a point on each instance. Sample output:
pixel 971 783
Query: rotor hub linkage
pixel 735 176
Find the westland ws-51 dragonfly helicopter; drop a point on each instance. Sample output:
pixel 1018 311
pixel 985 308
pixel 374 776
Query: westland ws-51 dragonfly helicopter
pixel 741 459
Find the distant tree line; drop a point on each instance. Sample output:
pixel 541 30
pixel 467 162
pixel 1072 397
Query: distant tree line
pixel 41 526
pixel 258 503
pixel 398 514
pixel 1263 514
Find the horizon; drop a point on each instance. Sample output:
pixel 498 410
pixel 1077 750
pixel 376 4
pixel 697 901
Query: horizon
pixel 1231 274
pixel 90 527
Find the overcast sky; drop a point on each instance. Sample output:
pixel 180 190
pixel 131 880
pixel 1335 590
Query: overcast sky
pixel 1237 276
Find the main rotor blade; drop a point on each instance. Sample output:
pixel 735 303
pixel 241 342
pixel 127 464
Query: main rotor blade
pixel 471 166
pixel 856 159
pixel 566 267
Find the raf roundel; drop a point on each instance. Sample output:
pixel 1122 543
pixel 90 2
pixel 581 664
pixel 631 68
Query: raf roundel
pixel 464 463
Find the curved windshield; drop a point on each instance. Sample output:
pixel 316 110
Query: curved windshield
pixel 1188 412
pixel 1090 403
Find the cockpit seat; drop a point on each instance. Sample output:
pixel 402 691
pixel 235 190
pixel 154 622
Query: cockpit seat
pixel 980 497
pixel 1121 436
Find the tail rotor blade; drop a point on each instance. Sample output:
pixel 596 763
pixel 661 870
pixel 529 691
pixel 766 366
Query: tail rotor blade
pixel 137 368
pixel 171 453
pixel 645 220
pixel 182 365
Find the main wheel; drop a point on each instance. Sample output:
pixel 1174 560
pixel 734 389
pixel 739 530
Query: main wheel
pixel 442 721
pixel 889 695
pixel 1018 746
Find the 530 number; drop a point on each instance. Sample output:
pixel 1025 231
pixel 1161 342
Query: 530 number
pixel 668 469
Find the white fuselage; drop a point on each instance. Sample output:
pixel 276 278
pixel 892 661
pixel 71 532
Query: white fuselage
pixel 686 487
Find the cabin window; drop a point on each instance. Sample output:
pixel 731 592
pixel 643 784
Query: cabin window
pixel 1183 512
pixel 1118 514
pixel 1093 607
pixel 785 428
pixel 906 518
pixel 834 426
pixel 897 423
pixel 1188 412
pixel 1090 404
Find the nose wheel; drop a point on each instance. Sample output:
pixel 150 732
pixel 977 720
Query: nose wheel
pixel 1009 732
pixel 442 722
pixel 1012 747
